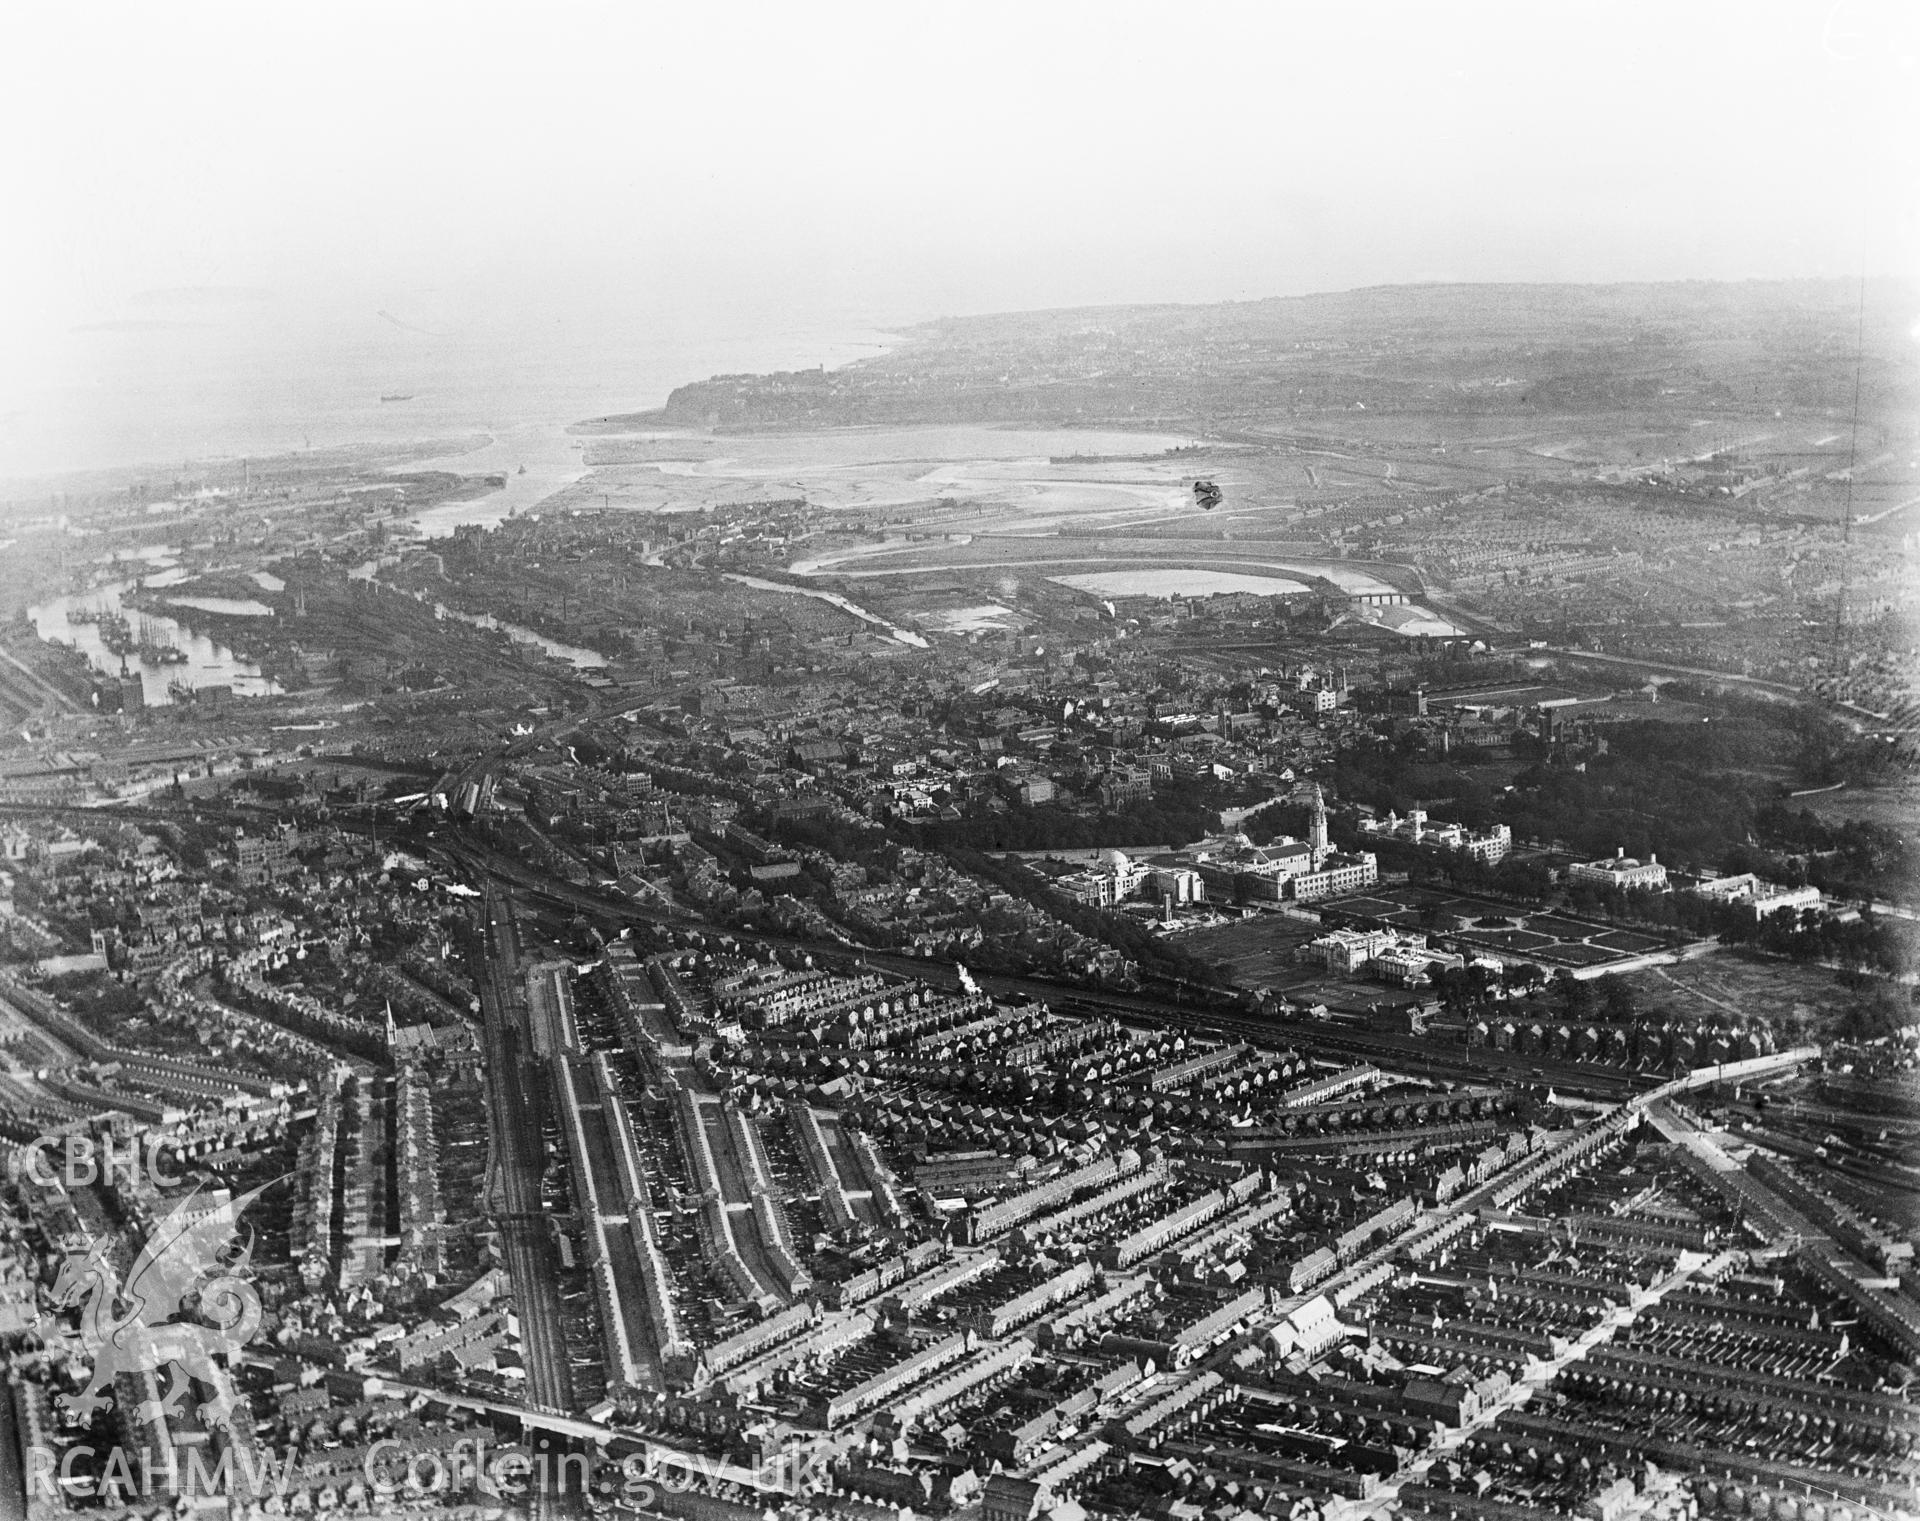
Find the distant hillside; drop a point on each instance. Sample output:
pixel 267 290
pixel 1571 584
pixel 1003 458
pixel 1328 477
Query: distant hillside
pixel 1436 349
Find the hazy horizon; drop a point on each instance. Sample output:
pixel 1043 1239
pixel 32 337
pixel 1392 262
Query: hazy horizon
pixel 629 198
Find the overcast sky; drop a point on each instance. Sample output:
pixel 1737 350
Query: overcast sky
pixel 910 160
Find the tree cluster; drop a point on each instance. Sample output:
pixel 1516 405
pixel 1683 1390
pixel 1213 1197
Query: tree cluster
pixel 1023 828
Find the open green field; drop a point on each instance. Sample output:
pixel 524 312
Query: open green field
pixel 1257 951
pixel 1798 1002
pixel 1895 807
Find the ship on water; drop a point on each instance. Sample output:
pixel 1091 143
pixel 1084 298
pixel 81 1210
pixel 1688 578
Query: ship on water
pixel 398 396
pixel 153 646
pixel 115 634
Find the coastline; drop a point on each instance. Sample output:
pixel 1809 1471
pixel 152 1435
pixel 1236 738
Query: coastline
pixel 332 415
pixel 557 452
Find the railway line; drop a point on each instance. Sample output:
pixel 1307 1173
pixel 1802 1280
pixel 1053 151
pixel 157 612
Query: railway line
pixel 517 1164
pixel 1209 1010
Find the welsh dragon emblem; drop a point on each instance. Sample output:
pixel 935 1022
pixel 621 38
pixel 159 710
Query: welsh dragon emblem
pixel 186 1256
